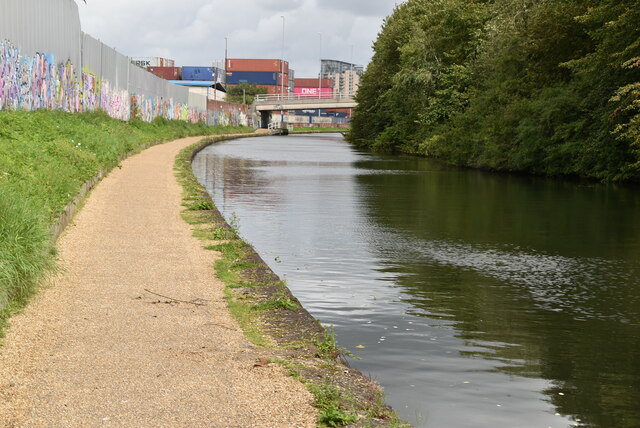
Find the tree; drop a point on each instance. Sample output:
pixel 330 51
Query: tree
pixel 243 93
pixel 542 86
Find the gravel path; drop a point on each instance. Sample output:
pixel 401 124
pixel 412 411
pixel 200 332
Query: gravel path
pixel 96 349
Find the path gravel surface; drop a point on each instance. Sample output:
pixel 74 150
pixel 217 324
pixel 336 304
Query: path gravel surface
pixel 95 349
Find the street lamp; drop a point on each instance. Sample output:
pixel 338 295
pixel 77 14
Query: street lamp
pixel 282 60
pixel 320 80
pixel 282 74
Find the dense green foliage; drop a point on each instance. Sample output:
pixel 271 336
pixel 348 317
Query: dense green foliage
pixel 243 93
pixel 542 86
pixel 45 158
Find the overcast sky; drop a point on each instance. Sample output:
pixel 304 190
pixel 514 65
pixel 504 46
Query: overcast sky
pixel 192 32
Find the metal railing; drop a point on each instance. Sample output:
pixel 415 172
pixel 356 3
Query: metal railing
pixel 304 97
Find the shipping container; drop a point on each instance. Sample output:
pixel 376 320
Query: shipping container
pixel 312 91
pixel 271 89
pixel 254 78
pixel 312 83
pixel 264 65
pixel 154 61
pixel 198 73
pixel 167 73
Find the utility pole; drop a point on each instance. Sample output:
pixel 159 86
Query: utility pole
pixel 225 60
pixel 282 58
pixel 282 74
pixel 320 79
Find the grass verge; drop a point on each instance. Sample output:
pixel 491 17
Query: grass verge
pixel 305 130
pixel 266 311
pixel 46 157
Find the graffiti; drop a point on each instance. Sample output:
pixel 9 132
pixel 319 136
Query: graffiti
pixel 223 113
pixel 31 83
pixel 37 82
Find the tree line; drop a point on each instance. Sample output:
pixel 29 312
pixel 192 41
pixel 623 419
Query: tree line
pixel 541 86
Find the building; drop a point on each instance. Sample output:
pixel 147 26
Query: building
pixel 345 75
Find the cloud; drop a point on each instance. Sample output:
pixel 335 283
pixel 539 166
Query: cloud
pixel 193 32
pixel 375 8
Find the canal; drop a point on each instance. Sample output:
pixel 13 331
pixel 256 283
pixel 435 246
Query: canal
pixel 476 299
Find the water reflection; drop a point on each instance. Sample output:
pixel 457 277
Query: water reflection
pixel 481 299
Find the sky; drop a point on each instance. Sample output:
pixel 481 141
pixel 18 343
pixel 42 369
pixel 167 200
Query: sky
pixel 193 32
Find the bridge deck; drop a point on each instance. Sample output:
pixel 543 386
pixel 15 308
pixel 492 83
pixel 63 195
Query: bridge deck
pixel 301 102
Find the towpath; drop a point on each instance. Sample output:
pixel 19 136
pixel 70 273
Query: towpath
pixel 96 349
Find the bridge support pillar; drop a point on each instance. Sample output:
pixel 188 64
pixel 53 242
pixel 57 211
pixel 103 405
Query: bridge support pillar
pixel 265 118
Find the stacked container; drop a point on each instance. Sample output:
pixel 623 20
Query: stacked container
pixel 313 83
pixel 253 78
pixel 152 61
pixel 167 73
pixel 198 73
pixel 246 64
pixel 264 73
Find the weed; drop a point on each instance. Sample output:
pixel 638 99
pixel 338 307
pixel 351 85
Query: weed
pixel 234 223
pixel 277 303
pixel 246 285
pixel 202 205
pixel 220 233
pixel 328 399
pixel 328 349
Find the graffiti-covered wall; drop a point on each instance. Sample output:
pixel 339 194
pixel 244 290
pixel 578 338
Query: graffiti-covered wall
pixel 223 113
pixel 47 62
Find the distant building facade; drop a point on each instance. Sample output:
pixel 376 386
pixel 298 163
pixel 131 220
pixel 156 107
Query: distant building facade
pixel 344 75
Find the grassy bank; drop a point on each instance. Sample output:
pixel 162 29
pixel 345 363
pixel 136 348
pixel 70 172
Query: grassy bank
pixel 305 130
pixel 45 158
pixel 266 311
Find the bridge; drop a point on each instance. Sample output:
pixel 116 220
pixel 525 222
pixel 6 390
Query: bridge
pixel 265 104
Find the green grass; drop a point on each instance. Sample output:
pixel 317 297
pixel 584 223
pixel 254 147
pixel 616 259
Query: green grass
pixel 305 130
pixel 45 158
pixel 329 401
pixel 276 303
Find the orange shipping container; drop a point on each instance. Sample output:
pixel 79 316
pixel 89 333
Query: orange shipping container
pixel 312 83
pixel 251 64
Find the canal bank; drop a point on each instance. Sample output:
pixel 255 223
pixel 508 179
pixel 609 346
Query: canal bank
pixel 273 318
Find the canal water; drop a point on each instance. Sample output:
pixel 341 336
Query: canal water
pixel 481 299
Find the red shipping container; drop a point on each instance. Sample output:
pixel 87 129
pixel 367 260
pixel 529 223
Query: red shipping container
pixel 167 73
pixel 312 83
pixel 250 64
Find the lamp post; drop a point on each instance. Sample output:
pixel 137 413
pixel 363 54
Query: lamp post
pixel 320 79
pixel 225 60
pixel 282 74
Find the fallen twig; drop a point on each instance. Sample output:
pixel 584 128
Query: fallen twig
pixel 176 300
pixel 222 326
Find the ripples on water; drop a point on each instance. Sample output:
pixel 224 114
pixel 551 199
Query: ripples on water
pixel 482 300
pixel 554 282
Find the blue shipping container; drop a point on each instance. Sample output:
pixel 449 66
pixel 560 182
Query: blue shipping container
pixel 253 77
pixel 197 73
